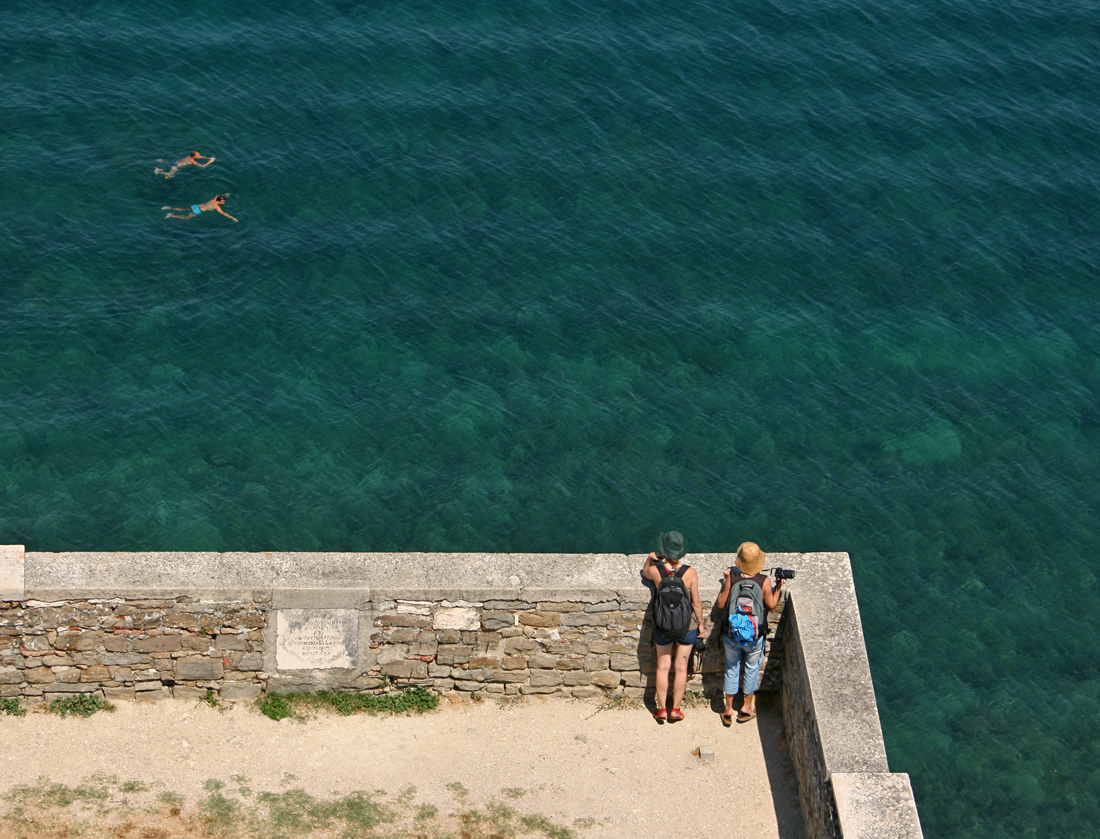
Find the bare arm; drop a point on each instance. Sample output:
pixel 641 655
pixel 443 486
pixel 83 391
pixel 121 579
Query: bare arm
pixel 771 595
pixel 224 213
pixel 692 580
pixel 209 160
pixel 724 594
pixel 650 570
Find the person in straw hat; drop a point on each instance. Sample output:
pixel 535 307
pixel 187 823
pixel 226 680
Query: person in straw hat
pixel 666 562
pixel 749 566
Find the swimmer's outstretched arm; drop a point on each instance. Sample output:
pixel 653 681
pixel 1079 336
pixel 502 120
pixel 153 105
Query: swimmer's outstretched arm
pixel 209 160
pixel 224 213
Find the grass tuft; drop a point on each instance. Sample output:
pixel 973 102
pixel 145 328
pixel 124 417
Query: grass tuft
pixel 274 707
pixel 12 708
pixel 46 795
pixel 544 824
pixel 173 801
pixel 79 705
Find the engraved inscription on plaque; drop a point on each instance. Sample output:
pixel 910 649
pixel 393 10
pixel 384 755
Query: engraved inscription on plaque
pixel 312 639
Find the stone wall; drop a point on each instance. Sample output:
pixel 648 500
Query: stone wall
pixel 129 649
pixel 182 647
pixel 830 715
pixel 235 625
pixel 160 625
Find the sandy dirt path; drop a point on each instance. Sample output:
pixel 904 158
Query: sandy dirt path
pixel 602 772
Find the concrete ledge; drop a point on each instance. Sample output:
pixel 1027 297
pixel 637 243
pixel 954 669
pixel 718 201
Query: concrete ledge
pixel 876 806
pixel 589 578
pixel 321 598
pixel 12 573
pixel 828 695
pixel 827 614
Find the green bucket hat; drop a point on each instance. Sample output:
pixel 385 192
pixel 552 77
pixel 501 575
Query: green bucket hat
pixel 671 545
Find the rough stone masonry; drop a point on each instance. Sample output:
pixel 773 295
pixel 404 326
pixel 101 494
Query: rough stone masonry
pixel 238 625
pixel 131 648
pixel 149 649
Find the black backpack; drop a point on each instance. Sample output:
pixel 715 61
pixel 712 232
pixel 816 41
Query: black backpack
pixel 672 605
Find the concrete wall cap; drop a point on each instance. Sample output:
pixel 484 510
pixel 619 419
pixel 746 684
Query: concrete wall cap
pixel 873 805
pixel 12 571
pixel 474 578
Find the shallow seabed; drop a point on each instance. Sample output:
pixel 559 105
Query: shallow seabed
pixel 556 277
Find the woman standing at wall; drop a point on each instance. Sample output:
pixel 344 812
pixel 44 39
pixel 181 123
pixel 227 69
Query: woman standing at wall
pixel 666 570
pixel 748 578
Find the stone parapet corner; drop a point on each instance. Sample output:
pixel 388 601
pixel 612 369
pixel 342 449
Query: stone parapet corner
pixel 874 805
pixel 12 573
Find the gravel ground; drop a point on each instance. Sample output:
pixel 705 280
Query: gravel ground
pixel 600 771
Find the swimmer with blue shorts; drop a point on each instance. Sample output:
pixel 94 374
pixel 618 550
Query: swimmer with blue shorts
pixel 191 160
pixel 214 203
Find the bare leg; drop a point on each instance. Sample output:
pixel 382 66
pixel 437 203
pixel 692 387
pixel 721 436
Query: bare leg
pixel 679 685
pixel 748 707
pixel 173 215
pixel 664 662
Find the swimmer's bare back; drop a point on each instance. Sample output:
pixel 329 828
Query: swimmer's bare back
pixel 215 204
pixel 191 160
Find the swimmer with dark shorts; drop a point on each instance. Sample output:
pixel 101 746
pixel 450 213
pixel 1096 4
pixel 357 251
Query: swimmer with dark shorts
pixel 191 160
pixel 216 203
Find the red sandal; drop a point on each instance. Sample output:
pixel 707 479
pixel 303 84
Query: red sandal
pixel 660 715
pixel 675 715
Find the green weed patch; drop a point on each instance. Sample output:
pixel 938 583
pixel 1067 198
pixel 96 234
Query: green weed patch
pixel 79 705
pixel 413 700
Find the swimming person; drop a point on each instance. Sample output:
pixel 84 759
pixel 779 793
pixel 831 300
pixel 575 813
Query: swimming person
pixel 214 203
pixel 191 160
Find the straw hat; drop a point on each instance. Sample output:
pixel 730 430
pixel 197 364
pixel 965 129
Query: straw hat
pixel 750 559
pixel 671 545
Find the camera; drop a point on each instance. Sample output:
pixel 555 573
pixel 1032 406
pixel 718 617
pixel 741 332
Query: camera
pixel 784 574
pixel 700 644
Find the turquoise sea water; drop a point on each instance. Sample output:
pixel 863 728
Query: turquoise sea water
pixel 556 276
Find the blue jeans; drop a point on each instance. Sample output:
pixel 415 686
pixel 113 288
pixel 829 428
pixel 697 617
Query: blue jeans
pixel 752 653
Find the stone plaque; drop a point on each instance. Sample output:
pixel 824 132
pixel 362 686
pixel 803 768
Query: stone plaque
pixel 316 639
